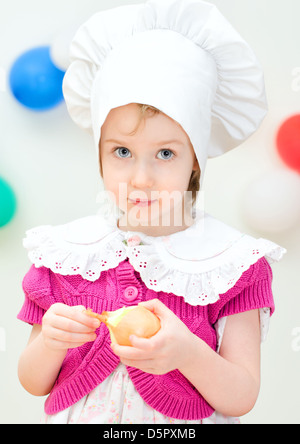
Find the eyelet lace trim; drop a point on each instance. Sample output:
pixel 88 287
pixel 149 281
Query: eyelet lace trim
pixel 200 282
pixel 200 285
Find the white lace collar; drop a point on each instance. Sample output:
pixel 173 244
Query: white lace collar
pixel 199 263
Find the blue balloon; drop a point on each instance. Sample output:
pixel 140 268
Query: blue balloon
pixel 35 81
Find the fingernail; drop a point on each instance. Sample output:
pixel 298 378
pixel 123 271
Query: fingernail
pixel 132 338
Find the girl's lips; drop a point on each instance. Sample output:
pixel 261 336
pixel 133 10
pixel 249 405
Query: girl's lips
pixel 142 203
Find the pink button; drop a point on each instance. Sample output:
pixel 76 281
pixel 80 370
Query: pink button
pixel 131 293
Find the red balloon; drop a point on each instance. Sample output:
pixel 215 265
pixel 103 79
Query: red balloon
pixel 288 142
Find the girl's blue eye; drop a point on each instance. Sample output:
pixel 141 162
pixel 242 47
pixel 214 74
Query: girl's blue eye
pixel 166 154
pixel 122 152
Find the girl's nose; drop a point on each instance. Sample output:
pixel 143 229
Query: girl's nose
pixel 142 177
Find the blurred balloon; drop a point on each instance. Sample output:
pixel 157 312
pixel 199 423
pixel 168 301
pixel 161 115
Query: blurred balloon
pixel 8 203
pixel 60 47
pixel 271 203
pixel 288 142
pixel 35 81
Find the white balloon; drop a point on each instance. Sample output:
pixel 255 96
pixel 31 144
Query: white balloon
pixel 60 48
pixel 271 202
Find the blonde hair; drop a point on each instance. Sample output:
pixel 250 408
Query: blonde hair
pixel 194 185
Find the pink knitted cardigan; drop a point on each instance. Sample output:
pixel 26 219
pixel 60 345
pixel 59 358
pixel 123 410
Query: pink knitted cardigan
pixel 87 366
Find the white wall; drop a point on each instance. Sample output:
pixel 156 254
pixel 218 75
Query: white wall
pixel 51 165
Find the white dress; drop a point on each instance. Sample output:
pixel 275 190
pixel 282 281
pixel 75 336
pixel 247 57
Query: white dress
pixel 199 263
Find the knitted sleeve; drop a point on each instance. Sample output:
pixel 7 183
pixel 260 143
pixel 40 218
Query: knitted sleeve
pixel 38 295
pixel 252 291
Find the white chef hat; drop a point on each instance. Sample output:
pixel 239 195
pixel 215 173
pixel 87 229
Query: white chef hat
pixel 180 56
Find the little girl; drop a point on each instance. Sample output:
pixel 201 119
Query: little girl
pixel 162 86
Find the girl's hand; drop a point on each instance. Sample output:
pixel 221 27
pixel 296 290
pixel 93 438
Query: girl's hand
pixel 166 351
pixel 65 327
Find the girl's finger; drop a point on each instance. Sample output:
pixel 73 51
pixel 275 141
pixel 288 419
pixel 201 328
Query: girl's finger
pixel 76 313
pixel 141 343
pixel 128 352
pixel 65 336
pixel 59 345
pixel 156 306
pixel 69 325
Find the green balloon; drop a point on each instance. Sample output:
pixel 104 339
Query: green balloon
pixel 8 203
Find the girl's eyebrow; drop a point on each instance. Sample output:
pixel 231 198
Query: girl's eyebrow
pixel 164 142
pixel 113 141
pixel 167 142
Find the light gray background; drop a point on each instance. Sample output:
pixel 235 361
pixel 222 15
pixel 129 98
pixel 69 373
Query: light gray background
pixel 52 167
